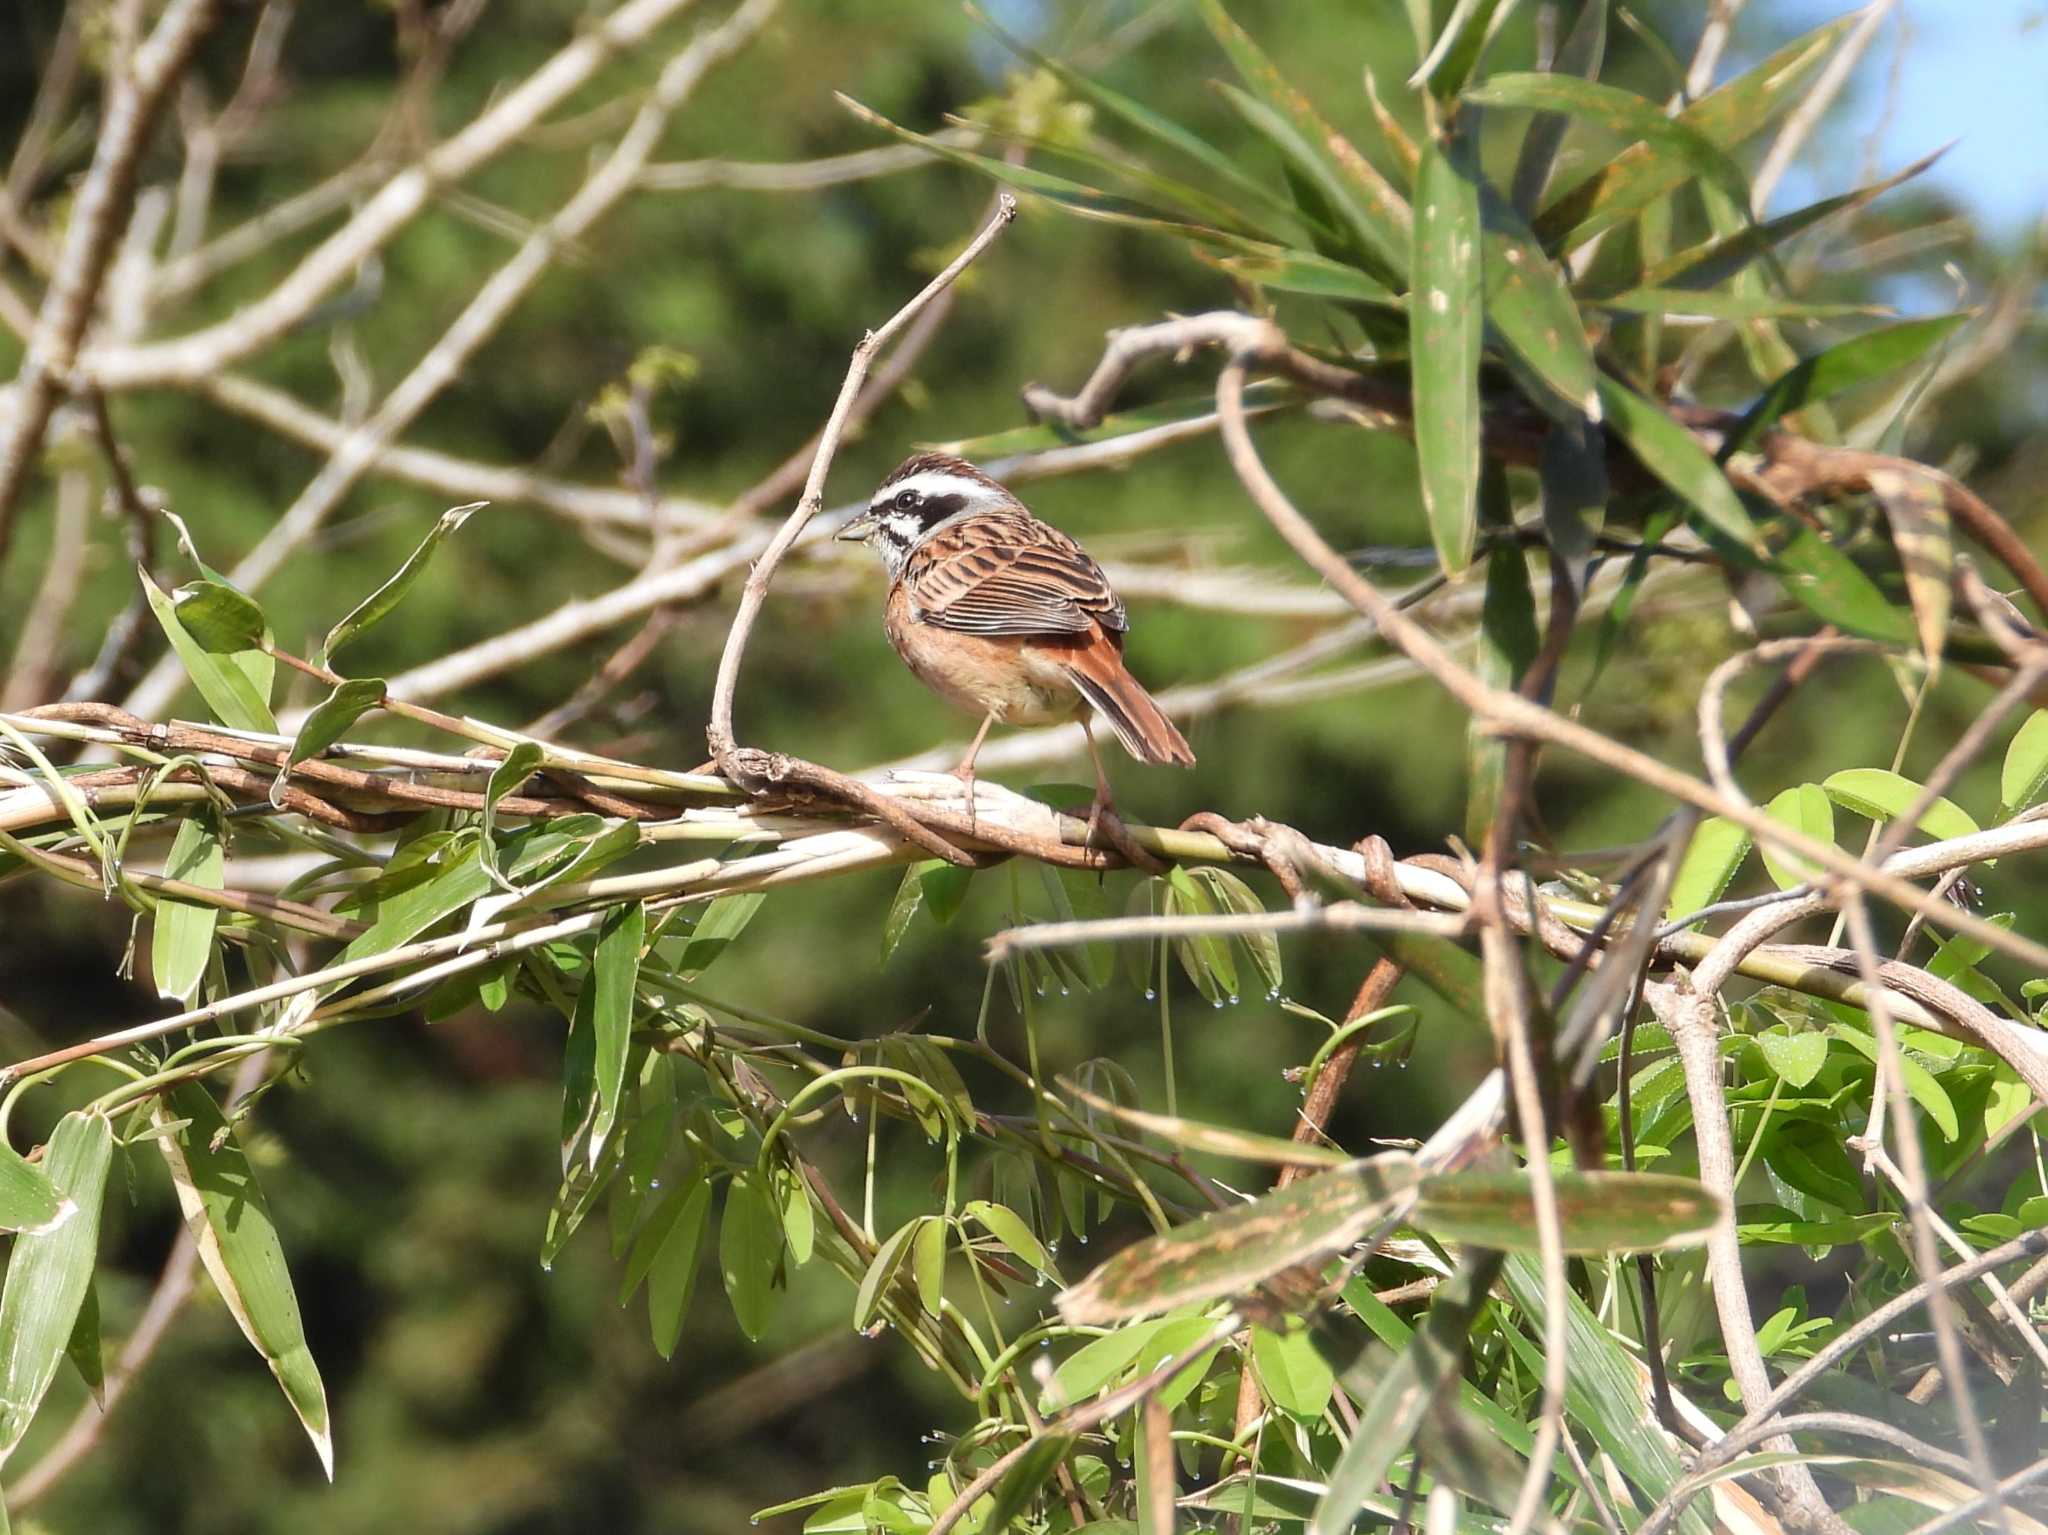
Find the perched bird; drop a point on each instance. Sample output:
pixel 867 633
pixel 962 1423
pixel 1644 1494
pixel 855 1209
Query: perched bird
pixel 1005 615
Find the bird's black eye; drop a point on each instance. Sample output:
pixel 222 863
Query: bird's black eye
pixel 907 500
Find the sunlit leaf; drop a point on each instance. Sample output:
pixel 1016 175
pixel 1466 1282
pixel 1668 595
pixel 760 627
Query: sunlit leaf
pixel 182 942
pixel 1717 850
pixel 614 976
pixel 1796 1057
pixel 328 721
pixel 672 1267
pixel 1878 794
pixel 1295 1377
pixel 1455 53
pixel 49 1273
pixel 1600 1212
pixel 2026 766
pixel 225 686
pixel 749 1250
pixel 722 922
pixel 230 1221
pixel 1446 329
pixel 1234 1250
pixel 1578 56
pixel 1802 808
pixel 1921 1084
pixel 1675 458
pixel 28 1201
pixel 374 608
pixel 1220 1140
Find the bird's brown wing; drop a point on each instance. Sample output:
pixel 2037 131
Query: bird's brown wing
pixel 1010 574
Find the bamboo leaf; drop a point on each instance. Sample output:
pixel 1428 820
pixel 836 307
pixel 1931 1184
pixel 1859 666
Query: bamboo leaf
pixel 1219 1140
pixel 881 1272
pixel 328 721
pixel 928 1262
pixel 1860 360
pixel 1734 308
pixel 723 922
pixel 182 941
pixel 1295 271
pixel 1012 1230
pixel 1579 56
pixel 1234 1250
pixel 749 1249
pixel 1671 454
pixel 230 1221
pixel 1508 642
pixel 29 1202
pixel 1020 1484
pixel 1833 586
pixel 225 686
pixel 1528 303
pixel 374 608
pixel 672 1270
pixel 1921 533
pixel 1642 173
pixel 1601 1212
pixel 614 975
pixel 1370 207
pixel 50 1272
pixel 1446 330
pixel 1455 54
pixel 1296 1378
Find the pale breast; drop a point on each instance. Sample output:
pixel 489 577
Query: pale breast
pixel 1018 684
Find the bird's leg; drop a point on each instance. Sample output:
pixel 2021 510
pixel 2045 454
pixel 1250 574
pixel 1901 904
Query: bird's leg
pixel 965 771
pixel 1102 814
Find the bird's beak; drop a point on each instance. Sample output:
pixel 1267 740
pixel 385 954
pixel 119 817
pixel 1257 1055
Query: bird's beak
pixel 857 531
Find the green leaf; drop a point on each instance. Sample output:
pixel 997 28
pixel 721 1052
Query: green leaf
pixel 614 975
pixel 1921 1085
pixel 1797 1057
pixel 1446 329
pixel 1220 166
pixel 799 1221
pixel 749 1250
pixel 1231 895
pixel 374 608
pixel 1012 1230
pixel 723 921
pixel 1623 114
pixel 1676 459
pixel 1529 304
pixel 50 1272
pixel 230 1222
pixel 1218 1140
pixel 881 1273
pixel 1233 1250
pixel 1603 1393
pixel 86 1351
pixel 928 1263
pixel 1714 261
pixel 1508 642
pixel 1296 1378
pixel 1579 56
pixel 1369 206
pixel 1450 62
pixel 1020 1484
pixel 28 1201
pixel 672 1270
pixel 225 686
pixel 1296 271
pixel 1842 367
pixel 1917 510
pixel 2026 766
pixel 402 916
pixel 1879 794
pixel 1601 1212
pixel 1629 182
pixel 1832 586
pixel 182 941
pixel 1803 808
pixel 1717 850
pixel 1096 1364
pixel 945 888
pixel 902 910
pixel 329 720
pixel 1733 307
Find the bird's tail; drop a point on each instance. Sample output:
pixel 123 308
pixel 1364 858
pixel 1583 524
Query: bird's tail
pixel 1147 734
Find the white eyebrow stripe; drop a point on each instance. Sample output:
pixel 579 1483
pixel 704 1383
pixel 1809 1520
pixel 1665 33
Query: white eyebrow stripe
pixel 933 483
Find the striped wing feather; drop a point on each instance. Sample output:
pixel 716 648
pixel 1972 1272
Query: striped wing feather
pixel 1006 574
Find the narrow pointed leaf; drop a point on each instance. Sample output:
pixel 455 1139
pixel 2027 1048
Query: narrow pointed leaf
pixel 1725 117
pixel 1296 271
pixel 672 1271
pixel 749 1249
pixel 881 1272
pixel 723 922
pixel 1020 1484
pixel 229 1220
pixel 225 686
pixel 1455 54
pixel 85 1349
pixel 182 940
pixel 1675 458
pixel 1508 642
pixel 49 1273
pixel 1219 1140
pixel 1234 1250
pixel 374 608
pixel 1921 533
pixel 1529 304
pixel 1370 206
pixel 29 1202
pixel 329 720
pixel 928 1263
pixel 1860 360
pixel 1295 1377
pixel 1702 304
pixel 1831 585
pixel 1600 1212
pixel 614 973
pixel 1446 329
pixel 1580 57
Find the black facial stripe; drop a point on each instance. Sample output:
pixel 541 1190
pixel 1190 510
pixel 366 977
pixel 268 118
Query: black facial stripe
pixel 933 510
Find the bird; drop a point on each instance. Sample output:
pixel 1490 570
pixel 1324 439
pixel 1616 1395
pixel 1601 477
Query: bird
pixel 1004 615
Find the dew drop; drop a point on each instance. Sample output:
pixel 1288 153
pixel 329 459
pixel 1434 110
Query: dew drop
pixel 1151 995
pixel 653 1184
pixel 547 1265
pixel 1272 993
pixel 1063 989
pixel 1081 1237
pixel 1216 1002
pixel 1233 999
